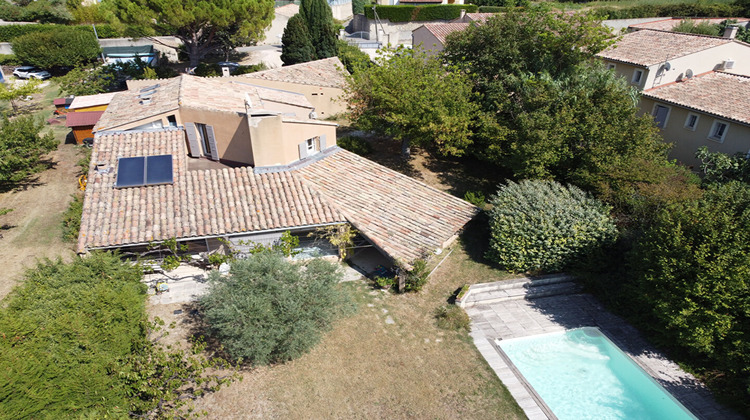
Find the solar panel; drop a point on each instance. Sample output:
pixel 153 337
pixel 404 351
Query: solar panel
pixel 131 172
pixel 159 169
pixel 144 170
pixel 152 87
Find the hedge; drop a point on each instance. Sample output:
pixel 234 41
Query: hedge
pixel 408 13
pixel 8 32
pixel 671 10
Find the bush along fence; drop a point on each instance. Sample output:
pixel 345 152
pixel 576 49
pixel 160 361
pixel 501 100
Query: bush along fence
pixel 671 10
pixel 8 32
pixel 408 13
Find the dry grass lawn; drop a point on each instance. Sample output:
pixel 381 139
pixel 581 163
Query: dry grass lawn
pixel 33 229
pixel 367 367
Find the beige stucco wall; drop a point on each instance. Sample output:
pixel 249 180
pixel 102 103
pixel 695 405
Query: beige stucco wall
pixel 427 41
pixel 686 142
pixel 700 62
pixel 627 71
pixel 276 142
pixel 324 99
pixel 230 130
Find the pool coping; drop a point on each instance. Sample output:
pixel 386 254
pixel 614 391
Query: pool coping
pixel 523 318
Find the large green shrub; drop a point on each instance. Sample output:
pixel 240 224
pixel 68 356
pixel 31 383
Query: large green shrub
pixel 690 282
pixel 63 47
pixel 352 57
pixel 296 42
pixel 8 32
pixel 271 309
pixel 542 225
pixel 22 147
pixel 694 9
pixel 409 13
pixel 63 335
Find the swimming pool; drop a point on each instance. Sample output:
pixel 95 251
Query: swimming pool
pixel 581 374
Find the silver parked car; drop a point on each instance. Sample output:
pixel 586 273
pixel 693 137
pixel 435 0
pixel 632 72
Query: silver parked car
pixel 29 72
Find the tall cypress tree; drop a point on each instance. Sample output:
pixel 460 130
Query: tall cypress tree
pixel 296 44
pixel 319 19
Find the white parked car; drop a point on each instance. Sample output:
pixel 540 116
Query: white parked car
pixel 28 72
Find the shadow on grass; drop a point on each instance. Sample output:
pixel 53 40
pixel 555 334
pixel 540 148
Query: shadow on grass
pixel 465 174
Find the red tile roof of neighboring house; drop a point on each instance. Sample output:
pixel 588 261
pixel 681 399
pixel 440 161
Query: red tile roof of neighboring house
pixel 669 23
pixel 82 119
pixel 442 30
pixel 401 216
pixel 198 203
pixel 480 17
pixel 328 72
pixel 63 101
pixel 720 94
pixel 649 47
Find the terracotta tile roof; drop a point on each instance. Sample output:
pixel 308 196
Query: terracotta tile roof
pixel 669 23
pixel 480 17
pixel 720 94
pixel 402 216
pixel 328 72
pixel 198 203
pixel 82 119
pixel 92 100
pixel 442 30
pixel 214 93
pixel 649 47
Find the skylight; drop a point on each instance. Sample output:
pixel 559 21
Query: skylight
pixel 144 170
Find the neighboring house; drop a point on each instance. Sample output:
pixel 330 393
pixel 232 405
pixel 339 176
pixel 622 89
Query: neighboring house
pixel 125 54
pixel 82 124
pixel 143 187
pixel 668 24
pixel 321 81
pixel 431 37
pixel 478 18
pixel 91 102
pixel 711 109
pixel 62 104
pixel 650 58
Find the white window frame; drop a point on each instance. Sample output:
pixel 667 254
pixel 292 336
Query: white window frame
pixel 669 114
pixel 312 146
pixel 637 80
pixel 715 128
pixel 687 121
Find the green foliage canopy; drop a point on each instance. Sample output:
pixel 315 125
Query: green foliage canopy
pixel 719 167
pixel 21 149
pixel 63 47
pixel 296 43
pixel 413 99
pixel 197 23
pixel 689 280
pixel 271 309
pixel 542 225
pixel 319 19
pixel 13 92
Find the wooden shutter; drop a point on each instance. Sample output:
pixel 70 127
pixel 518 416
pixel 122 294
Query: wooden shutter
pixel 303 150
pixel 194 147
pixel 322 142
pixel 212 142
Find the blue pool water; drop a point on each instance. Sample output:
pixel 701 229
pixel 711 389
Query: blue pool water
pixel 580 374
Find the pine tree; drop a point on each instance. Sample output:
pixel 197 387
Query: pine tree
pixel 319 19
pixel 296 44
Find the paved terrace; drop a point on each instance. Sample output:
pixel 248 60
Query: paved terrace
pixel 522 317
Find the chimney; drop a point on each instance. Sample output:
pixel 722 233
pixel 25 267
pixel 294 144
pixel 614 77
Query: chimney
pixel 730 31
pixel 463 13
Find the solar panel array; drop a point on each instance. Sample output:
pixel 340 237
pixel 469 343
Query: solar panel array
pixel 144 170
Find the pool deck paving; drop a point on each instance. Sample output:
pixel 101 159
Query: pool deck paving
pixel 526 317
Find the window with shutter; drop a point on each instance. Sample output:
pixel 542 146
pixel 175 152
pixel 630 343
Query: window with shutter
pixel 212 142
pixel 194 148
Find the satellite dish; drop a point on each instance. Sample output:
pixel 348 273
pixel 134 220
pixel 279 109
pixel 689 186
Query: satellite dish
pixel 688 73
pixel 667 66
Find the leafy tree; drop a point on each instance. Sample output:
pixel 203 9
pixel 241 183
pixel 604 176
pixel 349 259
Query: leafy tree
pixel 414 100
pixel 547 111
pixel 21 149
pixel 719 167
pixel 16 91
pixel 271 309
pixel 352 57
pixel 107 78
pixel 296 44
pixel 689 281
pixel 542 225
pixel 202 25
pixel 63 47
pixel 319 19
